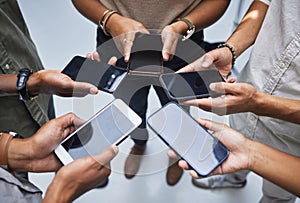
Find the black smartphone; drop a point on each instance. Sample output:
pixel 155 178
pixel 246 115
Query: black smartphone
pixel 106 77
pixel 190 85
pixel 193 143
pixel 146 56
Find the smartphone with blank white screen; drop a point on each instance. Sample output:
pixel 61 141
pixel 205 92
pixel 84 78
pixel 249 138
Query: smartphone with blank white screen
pixel 190 85
pixel 188 138
pixel 110 126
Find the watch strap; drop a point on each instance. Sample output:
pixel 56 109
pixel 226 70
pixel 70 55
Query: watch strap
pixel 5 139
pixel 191 28
pixel 23 76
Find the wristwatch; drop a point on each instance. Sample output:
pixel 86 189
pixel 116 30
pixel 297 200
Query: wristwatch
pixel 23 76
pixel 191 28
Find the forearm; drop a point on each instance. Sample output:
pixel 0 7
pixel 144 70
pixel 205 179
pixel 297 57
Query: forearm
pixel 91 9
pixel 276 166
pixel 276 107
pixel 57 192
pixel 19 154
pixel 245 34
pixel 207 12
pixel 8 84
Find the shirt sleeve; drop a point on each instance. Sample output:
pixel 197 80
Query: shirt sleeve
pixel 268 2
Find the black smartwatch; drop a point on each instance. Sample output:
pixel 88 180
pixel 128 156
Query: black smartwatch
pixel 23 76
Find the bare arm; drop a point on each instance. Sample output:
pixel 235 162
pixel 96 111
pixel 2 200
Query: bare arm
pixel 242 38
pixel 276 166
pixel 199 16
pixel 91 9
pixel 277 107
pixel 48 82
pixel 245 34
pixel 243 97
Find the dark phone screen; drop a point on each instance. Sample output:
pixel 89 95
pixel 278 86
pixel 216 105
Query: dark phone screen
pixel 102 131
pixel 146 55
pixel 106 77
pixel 191 84
pixel 190 140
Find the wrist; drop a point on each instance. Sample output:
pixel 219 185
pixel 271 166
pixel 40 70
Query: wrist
pixel 180 27
pixel 33 84
pixel 107 17
pixel 190 28
pixel 251 153
pixel 57 192
pixel 257 102
pixel 18 155
pixel 231 50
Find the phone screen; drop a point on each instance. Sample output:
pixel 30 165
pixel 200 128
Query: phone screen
pixel 106 77
pixel 188 138
pixel 190 85
pixel 110 126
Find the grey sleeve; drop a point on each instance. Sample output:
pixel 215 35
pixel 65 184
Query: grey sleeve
pixel 13 189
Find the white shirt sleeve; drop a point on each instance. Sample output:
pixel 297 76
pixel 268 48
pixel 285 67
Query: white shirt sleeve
pixel 268 2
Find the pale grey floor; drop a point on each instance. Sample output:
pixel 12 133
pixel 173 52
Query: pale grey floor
pixel 60 32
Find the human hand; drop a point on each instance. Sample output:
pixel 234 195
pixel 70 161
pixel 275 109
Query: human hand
pixel 239 97
pixel 95 56
pixel 80 176
pixel 170 35
pixel 55 82
pixel 35 154
pixel 221 58
pixel 237 144
pixel 123 31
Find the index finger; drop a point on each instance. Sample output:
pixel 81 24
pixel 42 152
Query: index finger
pixel 202 63
pixel 211 125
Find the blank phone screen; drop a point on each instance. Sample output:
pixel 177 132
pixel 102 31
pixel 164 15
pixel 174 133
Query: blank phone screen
pixel 104 130
pixel 191 84
pixel 190 140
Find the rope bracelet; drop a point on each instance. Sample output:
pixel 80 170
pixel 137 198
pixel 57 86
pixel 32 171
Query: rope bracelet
pixel 102 22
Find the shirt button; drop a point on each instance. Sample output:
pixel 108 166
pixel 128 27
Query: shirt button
pixel 252 117
pixel 281 65
pixel 7 67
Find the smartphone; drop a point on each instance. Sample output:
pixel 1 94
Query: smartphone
pixel 110 126
pixel 104 76
pixel 190 85
pixel 146 56
pixel 188 138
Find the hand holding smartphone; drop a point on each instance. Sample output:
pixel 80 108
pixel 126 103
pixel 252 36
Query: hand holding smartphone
pixel 201 150
pixel 106 77
pixel 110 126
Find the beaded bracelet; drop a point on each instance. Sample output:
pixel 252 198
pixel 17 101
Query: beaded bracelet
pixel 231 50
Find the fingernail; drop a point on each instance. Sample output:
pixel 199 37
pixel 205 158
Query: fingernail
pixel 115 148
pixel 212 86
pixel 94 90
